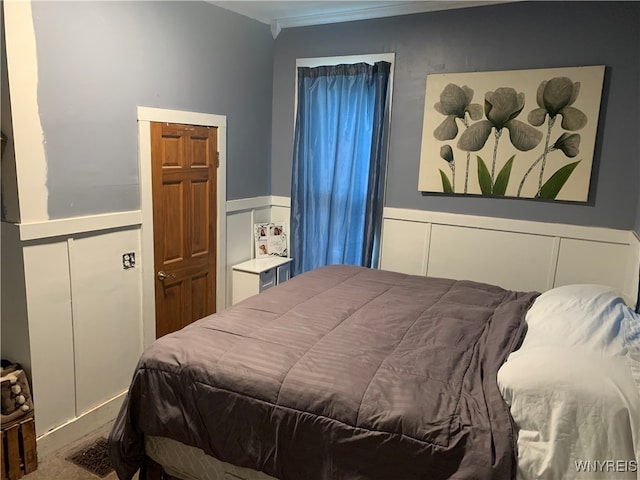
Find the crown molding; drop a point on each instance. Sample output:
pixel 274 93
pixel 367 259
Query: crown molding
pixel 402 8
pixel 338 12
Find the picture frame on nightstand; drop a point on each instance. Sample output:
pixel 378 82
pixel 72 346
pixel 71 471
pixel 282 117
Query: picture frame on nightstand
pixel 270 240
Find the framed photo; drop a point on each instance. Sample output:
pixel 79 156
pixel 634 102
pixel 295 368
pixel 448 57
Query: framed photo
pixel 518 133
pixel 270 239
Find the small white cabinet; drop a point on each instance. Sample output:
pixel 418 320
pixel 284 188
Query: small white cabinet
pixel 257 275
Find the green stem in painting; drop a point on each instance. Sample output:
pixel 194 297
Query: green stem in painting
pixel 453 175
pixel 533 165
pixel 552 121
pixel 495 156
pixel 466 174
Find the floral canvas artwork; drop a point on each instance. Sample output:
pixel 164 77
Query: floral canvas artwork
pixel 520 133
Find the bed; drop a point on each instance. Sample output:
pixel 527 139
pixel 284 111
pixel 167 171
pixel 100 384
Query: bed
pixel 352 373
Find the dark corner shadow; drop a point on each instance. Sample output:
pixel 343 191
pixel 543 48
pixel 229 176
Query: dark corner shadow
pixel 597 152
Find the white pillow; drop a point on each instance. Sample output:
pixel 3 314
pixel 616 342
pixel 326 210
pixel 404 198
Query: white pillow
pixel 587 318
pixel 590 316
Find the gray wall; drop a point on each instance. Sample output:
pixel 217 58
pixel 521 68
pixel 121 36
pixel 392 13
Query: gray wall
pixel 501 37
pixel 98 60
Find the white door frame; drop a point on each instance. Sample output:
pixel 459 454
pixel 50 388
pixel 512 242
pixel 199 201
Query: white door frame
pixel 146 115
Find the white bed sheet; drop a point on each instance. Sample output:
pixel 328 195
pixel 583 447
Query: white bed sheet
pixel 574 387
pixel 572 407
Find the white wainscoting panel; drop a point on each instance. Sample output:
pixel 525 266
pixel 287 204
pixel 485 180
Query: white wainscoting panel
pixel 511 260
pixel 585 261
pixel 261 215
pixel 83 317
pixel 515 254
pixel 47 283
pixel 239 244
pixel 106 315
pixel 405 248
pixel 280 214
pixel 239 240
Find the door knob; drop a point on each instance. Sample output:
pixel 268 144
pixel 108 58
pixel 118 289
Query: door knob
pixel 164 275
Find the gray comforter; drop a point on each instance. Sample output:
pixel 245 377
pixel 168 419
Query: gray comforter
pixel 342 373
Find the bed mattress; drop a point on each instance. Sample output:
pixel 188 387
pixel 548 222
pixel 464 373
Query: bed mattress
pixel 341 373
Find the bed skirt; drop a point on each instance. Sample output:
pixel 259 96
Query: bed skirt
pixel 182 462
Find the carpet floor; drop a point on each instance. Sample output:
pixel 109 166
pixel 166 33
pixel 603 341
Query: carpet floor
pixel 58 465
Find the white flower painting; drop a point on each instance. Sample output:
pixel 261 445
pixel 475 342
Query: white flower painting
pixel 520 133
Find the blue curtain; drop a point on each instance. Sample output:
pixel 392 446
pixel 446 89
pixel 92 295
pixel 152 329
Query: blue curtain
pixel 339 161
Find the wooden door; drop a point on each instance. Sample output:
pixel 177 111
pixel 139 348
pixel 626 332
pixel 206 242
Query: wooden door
pixel 184 170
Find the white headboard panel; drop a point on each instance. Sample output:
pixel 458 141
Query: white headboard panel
pixel 515 254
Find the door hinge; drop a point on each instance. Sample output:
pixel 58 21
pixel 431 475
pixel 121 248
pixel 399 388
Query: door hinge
pixel 217 159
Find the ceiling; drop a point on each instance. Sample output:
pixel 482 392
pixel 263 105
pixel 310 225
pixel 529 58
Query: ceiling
pixel 285 14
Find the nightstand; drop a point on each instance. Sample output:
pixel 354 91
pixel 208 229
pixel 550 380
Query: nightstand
pixel 257 275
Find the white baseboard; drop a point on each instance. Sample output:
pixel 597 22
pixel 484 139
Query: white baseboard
pixel 61 436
